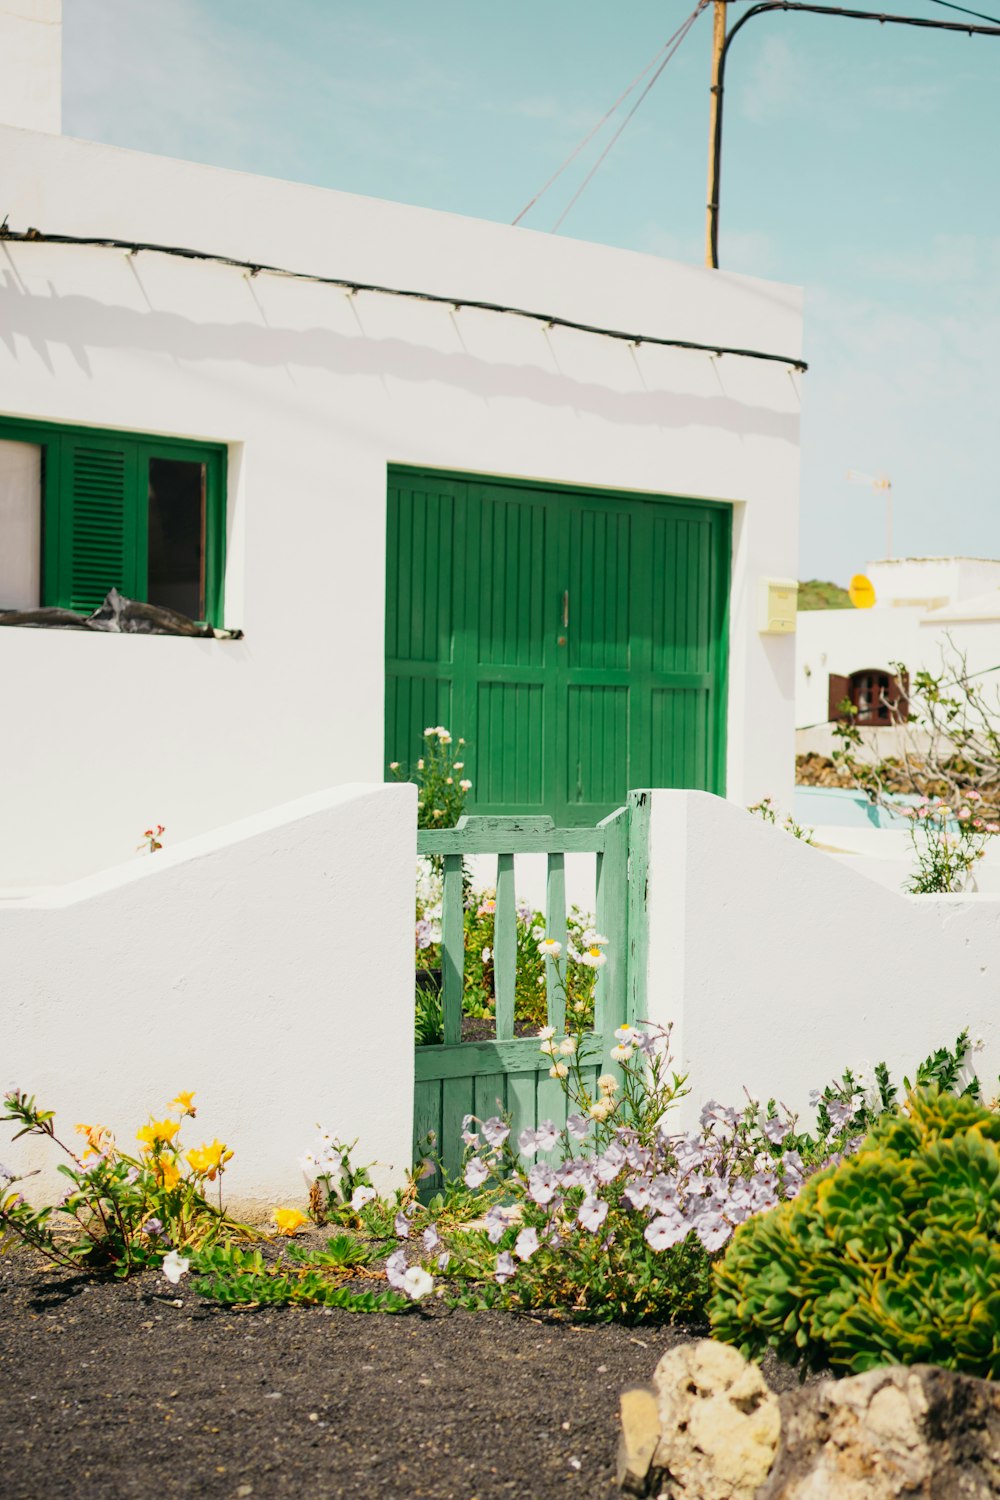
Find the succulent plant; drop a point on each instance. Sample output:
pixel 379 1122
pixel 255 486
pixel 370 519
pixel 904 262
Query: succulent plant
pixel 893 1256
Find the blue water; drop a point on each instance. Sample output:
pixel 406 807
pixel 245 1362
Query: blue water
pixel 844 808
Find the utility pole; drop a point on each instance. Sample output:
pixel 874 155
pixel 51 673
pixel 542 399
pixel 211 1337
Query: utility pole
pixel 714 160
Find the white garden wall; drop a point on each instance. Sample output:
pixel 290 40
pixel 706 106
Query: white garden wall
pixel 316 392
pixel 268 966
pixel 779 966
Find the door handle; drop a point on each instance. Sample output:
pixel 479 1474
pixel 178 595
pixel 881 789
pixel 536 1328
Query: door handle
pixel 565 609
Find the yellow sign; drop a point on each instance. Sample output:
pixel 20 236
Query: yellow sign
pixel 861 591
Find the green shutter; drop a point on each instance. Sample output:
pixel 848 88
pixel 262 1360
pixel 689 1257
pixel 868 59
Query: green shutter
pixel 98 521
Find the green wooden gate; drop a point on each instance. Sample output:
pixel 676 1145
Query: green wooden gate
pixel 576 639
pixel 510 1074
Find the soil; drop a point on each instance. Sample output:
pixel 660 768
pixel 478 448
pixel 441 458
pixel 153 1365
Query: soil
pixel 139 1389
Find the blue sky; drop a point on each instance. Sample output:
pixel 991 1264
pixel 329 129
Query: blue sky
pixel 860 163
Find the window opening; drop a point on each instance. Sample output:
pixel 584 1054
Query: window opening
pixel 20 525
pixel 176 547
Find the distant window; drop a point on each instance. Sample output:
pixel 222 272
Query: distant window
pixel 877 696
pixel 85 511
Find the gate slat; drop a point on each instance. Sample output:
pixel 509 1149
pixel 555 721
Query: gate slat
pixel 555 927
pixel 505 947
pixel 452 947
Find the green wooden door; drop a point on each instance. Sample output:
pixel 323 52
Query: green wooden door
pixel 576 639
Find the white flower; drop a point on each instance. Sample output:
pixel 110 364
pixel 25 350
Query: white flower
pixel 712 1230
pixel 460 766
pixel 593 1212
pixel 417 1283
pixel 175 1266
pixel 476 1172
pixel 608 1083
pixel 664 1232
pixel 395 1269
pixel 627 1036
pixel 546 1033
pixel 487 955
pixel 429 732
pixel 548 1047
pixel 542 1183
pixel 465 785
pixel 546 1136
pixel 558 1070
pixel 401 1225
pixel 549 948
pixel 361 1196
pixel 567 1046
pixel 593 939
pixel 601 1109
pixel 577 1126
pixel 526 1244
pixel 620 1054
pixel 593 958
pixel 444 737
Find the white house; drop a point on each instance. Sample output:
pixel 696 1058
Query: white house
pixel 576 498
pixel 926 610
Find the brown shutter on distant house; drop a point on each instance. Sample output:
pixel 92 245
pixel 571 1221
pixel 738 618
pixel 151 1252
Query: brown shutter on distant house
pixel 840 688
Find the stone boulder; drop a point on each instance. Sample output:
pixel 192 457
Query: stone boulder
pixel 892 1432
pixel 719 1424
pixel 709 1428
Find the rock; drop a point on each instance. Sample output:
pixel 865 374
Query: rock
pixel 719 1424
pixel 640 1434
pixel 891 1432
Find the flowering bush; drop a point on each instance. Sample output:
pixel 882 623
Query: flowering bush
pixel 947 843
pixel 892 1256
pixel 766 810
pixel 441 787
pixel 338 1189
pixel 122 1212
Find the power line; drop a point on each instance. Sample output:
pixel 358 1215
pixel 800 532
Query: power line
pixel 550 320
pixel 965 12
pixel 595 128
pixel 676 40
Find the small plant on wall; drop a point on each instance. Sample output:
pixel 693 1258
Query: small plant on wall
pixel 439 777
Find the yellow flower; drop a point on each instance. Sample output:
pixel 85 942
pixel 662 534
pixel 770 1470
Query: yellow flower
pixel 100 1141
pixel 288 1220
pixel 209 1160
pixel 157 1132
pixel 183 1102
pixel 166 1173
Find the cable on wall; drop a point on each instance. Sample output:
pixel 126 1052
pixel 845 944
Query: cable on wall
pixel 549 320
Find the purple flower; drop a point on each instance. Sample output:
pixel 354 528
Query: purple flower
pixel 443 1261
pixel 593 1212
pixel 607 1167
pixel 476 1173
pixel 715 1113
pixel 402 1224
pixel 431 1239
pixel 637 1193
pixel 776 1129
pixel 542 1183
pixel 395 1270
pixel 578 1126
pixel 527 1142
pixel 505 1267
pixel 843 1110
pixel 495 1131
pixel 546 1136
pixel 526 1244
pixel 153 1229
pixel 712 1230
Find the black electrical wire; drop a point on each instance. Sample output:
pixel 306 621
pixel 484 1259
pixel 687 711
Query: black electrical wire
pixel 965 12
pixel 550 320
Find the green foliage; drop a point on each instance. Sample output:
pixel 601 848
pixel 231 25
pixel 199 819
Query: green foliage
pixel 892 1256
pixel 238 1277
pixel 121 1212
pixel 441 786
pixel 815 594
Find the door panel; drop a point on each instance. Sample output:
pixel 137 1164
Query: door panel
pixel 576 639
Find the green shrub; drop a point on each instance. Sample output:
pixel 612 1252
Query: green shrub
pixel 892 1256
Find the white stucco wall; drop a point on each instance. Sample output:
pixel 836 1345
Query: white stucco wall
pixel 780 966
pixel 31 64
pixel 316 392
pixel 268 967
